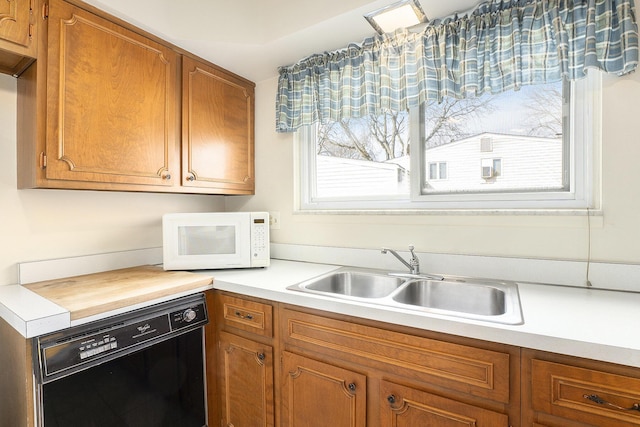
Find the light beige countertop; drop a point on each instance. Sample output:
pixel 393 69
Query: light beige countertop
pixel 591 323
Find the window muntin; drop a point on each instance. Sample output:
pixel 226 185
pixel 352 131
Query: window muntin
pixel 580 118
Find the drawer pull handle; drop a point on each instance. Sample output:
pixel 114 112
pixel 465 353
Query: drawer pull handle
pixel 244 316
pixel 600 401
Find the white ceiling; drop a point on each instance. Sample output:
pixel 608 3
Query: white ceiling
pixel 253 37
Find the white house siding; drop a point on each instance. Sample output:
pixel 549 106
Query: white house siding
pixel 527 163
pixel 338 177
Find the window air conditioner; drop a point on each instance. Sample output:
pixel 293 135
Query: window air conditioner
pixel 487 172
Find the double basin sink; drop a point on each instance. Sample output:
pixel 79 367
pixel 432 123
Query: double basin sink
pixel 480 299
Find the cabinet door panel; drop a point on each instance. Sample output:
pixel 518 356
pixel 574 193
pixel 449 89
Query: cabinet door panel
pixel 319 394
pixel 218 134
pixel 14 21
pixel 406 407
pixel 17 35
pixel 111 102
pixel 246 382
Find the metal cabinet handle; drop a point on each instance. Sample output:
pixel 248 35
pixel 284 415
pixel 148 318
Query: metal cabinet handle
pixel 191 177
pixel 600 401
pixel 244 316
pixel 261 356
pixel 391 399
pixel 352 386
pixel 166 176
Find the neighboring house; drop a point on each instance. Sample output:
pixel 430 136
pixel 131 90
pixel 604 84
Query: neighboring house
pixel 488 161
pixel 502 162
pixel 338 177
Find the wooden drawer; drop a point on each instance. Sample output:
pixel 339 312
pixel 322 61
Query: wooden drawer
pixel 479 372
pixel 246 315
pixel 585 395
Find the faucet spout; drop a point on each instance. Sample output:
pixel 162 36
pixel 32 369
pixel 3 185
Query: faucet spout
pixel 414 263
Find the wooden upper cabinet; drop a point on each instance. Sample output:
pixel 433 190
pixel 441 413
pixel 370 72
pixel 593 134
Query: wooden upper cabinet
pixel 17 35
pixel 101 109
pixel 111 103
pixel 217 129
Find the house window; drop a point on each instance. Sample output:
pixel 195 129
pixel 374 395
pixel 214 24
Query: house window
pixel 428 159
pixel 438 170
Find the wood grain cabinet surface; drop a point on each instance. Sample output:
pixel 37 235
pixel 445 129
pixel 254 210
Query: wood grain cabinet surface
pixel 218 129
pixel 321 394
pixel 405 406
pixel 565 391
pixel 18 41
pixel 101 109
pixel 246 382
pixel 336 368
pixel 245 364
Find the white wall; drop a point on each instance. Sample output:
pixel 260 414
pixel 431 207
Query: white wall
pixel 45 224
pixel 615 235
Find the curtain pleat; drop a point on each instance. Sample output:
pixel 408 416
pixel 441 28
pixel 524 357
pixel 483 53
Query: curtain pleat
pixel 502 45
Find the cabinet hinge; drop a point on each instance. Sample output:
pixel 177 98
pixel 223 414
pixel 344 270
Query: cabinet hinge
pixel 45 10
pixel 30 31
pixel 43 160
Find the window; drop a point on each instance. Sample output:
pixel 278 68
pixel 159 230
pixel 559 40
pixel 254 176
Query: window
pixel 452 155
pixel 438 170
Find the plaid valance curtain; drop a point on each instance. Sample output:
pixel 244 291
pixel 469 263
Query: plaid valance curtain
pixel 501 45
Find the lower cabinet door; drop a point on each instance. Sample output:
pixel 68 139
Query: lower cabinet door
pixel 316 394
pixel 402 406
pixel 246 382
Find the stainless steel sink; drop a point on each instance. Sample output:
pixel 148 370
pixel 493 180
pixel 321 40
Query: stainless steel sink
pixel 472 298
pixel 353 283
pixel 480 299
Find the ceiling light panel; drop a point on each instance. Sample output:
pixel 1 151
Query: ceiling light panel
pixel 403 14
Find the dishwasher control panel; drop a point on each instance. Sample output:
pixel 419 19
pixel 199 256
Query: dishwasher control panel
pixel 80 346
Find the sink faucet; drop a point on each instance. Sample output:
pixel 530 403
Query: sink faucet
pixel 414 263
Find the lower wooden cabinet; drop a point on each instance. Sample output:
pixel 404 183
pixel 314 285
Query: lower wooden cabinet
pixel 246 382
pixel 321 394
pixel 281 365
pixel 403 406
pixel 243 393
pixel 338 370
pixel 563 391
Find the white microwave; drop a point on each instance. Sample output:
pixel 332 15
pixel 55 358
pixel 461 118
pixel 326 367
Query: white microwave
pixel 215 240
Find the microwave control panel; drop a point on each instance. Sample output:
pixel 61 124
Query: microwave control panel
pixel 260 256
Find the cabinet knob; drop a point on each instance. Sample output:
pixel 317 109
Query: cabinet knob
pixel 391 399
pixel 191 177
pixel 352 386
pixel 166 176
pixel 261 356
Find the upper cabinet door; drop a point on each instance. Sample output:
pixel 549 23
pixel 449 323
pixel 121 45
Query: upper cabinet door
pixel 111 103
pixel 17 35
pixel 217 129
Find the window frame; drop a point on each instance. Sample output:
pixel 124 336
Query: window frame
pixel 584 109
